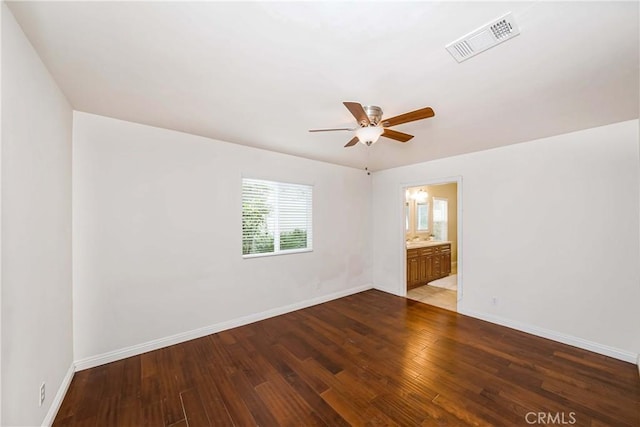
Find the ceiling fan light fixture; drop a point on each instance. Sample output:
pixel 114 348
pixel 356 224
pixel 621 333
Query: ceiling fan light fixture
pixel 420 196
pixel 369 134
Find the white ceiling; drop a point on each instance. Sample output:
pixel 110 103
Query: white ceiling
pixel 262 74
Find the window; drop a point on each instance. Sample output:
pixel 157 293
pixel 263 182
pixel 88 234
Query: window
pixel 276 217
pixel 440 218
pixel 422 216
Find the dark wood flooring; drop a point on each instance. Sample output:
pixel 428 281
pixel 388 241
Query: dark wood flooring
pixel 367 359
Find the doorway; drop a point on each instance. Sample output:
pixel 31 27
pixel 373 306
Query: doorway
pixel 431 230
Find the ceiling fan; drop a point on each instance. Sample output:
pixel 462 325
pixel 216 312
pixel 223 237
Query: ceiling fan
pixel 371 126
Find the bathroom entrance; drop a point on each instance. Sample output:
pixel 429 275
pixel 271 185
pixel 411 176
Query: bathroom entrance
pixel 431 244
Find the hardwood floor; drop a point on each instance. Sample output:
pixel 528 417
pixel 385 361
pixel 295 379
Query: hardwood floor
pixel 367 359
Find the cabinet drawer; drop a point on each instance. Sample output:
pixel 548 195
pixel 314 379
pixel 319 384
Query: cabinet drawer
pixel 412 253
pixel 426 251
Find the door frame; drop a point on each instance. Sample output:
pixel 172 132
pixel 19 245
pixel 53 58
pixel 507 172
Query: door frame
pixel 401 237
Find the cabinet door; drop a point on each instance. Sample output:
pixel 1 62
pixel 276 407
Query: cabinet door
pixel 446 263
pixel 422 270
pixel 412 272
pixel 429 265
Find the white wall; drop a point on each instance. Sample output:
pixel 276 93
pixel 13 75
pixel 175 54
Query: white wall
pixel 2 9
pixel 157 234
pixel 36 231
pixel 550 228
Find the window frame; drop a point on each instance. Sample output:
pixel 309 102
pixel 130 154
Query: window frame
pixel 276 232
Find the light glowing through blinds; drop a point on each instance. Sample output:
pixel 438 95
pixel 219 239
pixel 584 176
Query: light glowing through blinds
pixel 276 217
pixel 440 218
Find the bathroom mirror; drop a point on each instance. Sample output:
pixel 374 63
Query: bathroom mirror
pixel 422 216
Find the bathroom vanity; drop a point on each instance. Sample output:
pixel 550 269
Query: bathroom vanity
pixel 427 261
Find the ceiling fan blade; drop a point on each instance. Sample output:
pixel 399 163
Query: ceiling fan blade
pixel 329 130
pixel 358 112
pixel 423 113
pixel 398 136
pixel 353 141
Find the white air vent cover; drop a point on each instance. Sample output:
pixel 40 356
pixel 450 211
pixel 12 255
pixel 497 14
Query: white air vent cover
pixel 485 37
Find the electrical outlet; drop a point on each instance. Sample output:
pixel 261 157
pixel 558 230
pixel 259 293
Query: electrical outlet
pixel 494 301
pixel 42 393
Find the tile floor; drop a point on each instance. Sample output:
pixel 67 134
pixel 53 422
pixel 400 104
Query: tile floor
pixel 441 293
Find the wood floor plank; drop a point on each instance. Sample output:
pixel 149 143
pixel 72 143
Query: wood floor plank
pixel 258 409
pixel 108 411
pixel 214 406
pixel 365 359
pixel 194 411
pixel 341 405
pixel 87 404
pixel 152 415
pixel 399 410
pixel 209 394
pixel 130 412
pixel 463 411
pixel 239 412
pixel 285 405
pixel 309 377
pixel 130 389
pixel 169 387
pixel 70 404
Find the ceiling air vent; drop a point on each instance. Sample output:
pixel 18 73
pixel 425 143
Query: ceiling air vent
pixel 485 37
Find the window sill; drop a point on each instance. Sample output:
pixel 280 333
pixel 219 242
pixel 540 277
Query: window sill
pixel 287 252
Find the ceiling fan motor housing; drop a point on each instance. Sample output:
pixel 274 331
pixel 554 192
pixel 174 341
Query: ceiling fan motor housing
pixel 374 113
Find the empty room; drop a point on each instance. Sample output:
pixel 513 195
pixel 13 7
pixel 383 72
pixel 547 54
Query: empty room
pixel 320 213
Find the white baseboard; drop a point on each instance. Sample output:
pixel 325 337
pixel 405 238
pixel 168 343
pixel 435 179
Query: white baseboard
pixel 606 350
pixel 134 350
pixel 59 397
pixel 390 290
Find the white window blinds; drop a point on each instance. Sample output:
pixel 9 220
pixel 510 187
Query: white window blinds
pixel 276 217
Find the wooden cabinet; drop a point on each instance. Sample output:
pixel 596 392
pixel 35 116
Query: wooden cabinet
pixel 427 264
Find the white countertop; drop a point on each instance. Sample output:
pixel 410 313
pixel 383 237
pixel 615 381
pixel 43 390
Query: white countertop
pixel 425 243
